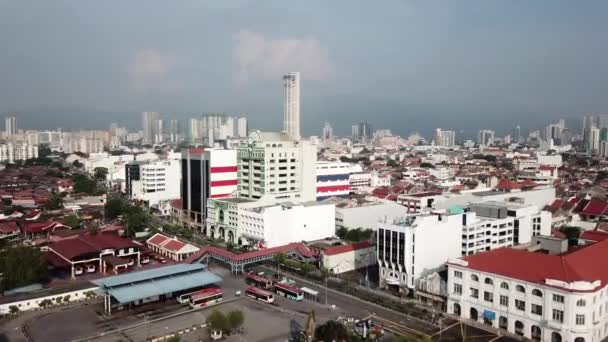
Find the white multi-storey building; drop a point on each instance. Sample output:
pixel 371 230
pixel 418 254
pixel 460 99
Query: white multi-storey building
pixel 159 182
pixel 485 137
pixel 291 105
pixel 444 138
pixel 537 293
pixel 10 126
pixel 413 246
pixel 492 225
pixel 264 224
pixel 332 179
pixel 11 152
pixel 152 127
pixel 277 166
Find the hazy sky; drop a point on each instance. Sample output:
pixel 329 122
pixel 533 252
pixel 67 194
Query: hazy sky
pixel 405 65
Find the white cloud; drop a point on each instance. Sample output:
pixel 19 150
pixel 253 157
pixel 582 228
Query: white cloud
pixel 150 71
pixel 259 57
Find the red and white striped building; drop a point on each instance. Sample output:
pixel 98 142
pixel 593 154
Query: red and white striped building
pixel 206 173
pixel 333 179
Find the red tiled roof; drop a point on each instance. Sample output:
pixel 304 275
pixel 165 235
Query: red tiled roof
pixel 595 207
pixel 174 245
pixel 39 227
pixel 554 207
pixel 8 227
pixel 86 244
pixel 347 248
pixel 157 239
pixel 594 235
pixel 506 184
pixel 579 265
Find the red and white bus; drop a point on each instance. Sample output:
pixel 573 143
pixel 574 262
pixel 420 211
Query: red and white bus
pixel 290 292
pixel 259 294
pixel 206 297
pixel 258 281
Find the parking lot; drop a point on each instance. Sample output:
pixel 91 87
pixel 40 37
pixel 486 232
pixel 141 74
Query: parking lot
pixel 263 322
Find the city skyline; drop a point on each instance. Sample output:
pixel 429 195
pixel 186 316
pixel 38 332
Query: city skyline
pixel 504 68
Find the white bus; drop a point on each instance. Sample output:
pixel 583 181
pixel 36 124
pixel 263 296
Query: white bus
pixel 259 294
pixel 206 297
pixel 290 292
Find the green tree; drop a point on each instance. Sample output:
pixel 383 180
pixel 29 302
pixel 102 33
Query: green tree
pixel 136 219
pixel 427 166
pixel 236 318
pixel 77 164
pixel 331 331
pixel 217 321
pixel 55 202
pixel 45 303
pixel 279 258
pixel 84 184
pixel 571 232
pixel 13 310
pixel 72 221
pixel 114 207
pixel 20 266
pixel 100 173
pixel 174 339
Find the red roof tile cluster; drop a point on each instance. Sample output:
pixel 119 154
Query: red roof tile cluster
pixel 348 248
pixel 528 183
pixel 594 235
pixel 166 242
pixel 506 184
pixel 40 227
pixel 578 265
pixel 595 208
pixel 8 227
pixel 90 244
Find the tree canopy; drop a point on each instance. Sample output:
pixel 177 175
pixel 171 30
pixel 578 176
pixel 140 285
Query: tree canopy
pixel 100 173
pixel 217 321
pixel 87 185
pixel 21 266
pixel 72 220
pixel 354 235
pixel 331 331
pixel 55 202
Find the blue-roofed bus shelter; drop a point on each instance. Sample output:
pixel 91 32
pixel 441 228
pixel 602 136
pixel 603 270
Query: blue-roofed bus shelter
pixel 137 288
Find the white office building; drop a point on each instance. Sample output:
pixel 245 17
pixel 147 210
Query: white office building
pixel 332 179
pixel 159 182
pixel 491 225
pixel 266 224
pixel 414 246
pixel 276 166
pixel 291 105
pixel 542 293
pixel 353 214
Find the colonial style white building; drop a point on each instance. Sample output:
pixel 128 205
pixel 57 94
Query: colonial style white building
pixel 545 294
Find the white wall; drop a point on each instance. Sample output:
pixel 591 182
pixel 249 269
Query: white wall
pixel 33 303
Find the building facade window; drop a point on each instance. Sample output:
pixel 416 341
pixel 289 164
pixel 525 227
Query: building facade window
pixel 580 319
pixel 520 305
pixel 474 293
pixel 581 303
pixel 458 289
pixel 488 296
pixel 504 285
pixel 474 277
pixel 558 315
pixel 520 288
pixel 558 298
pixel 536 309
pixel 504 300
pixel 458 274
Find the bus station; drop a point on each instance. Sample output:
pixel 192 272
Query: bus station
pixel 164 283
